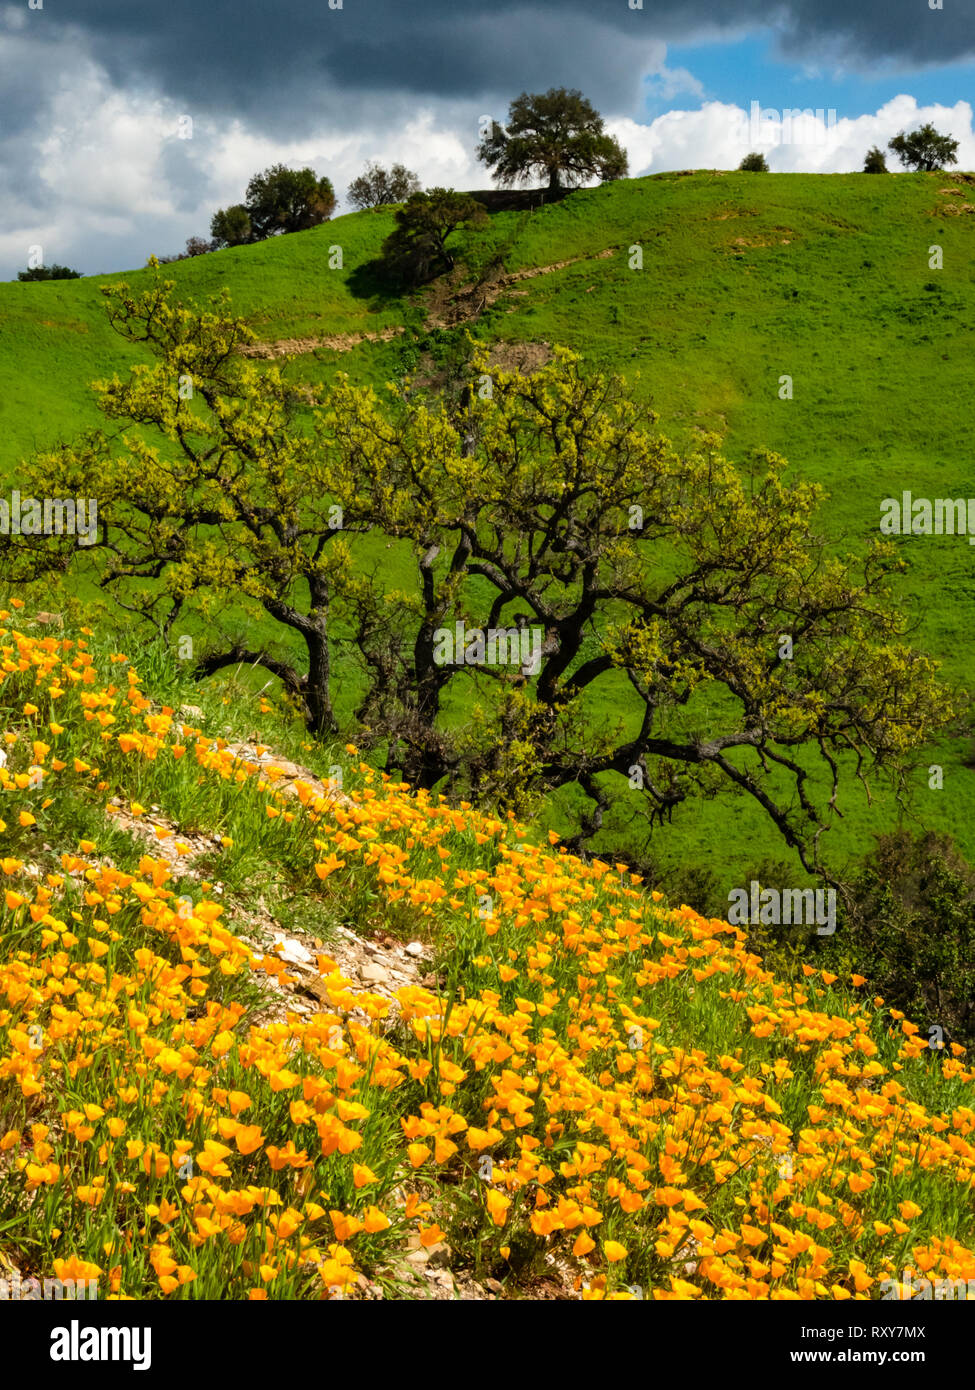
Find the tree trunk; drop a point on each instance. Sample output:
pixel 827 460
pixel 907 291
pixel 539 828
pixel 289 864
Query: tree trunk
pixel 313 626
pixel 319 714
pixel 423 767
pixel 553 180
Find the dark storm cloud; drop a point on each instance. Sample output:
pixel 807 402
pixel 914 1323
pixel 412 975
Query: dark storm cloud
pixel 288 66
pixel 907 32
pixel 257 58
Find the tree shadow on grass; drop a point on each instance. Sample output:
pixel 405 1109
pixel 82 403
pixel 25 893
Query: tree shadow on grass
pixel 375 282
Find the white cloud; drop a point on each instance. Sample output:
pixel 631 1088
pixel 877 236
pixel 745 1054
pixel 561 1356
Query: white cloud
pixel 439 155
pixel 718 136
pixel 13 18
pixel 667 83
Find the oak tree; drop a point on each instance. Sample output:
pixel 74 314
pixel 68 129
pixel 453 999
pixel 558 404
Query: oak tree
pixel 692 631
pixel 556 135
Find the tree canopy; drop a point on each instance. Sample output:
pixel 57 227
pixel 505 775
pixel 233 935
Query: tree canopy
pixel 557 135
pixel 288 200
pixel 416 250
pixel 377 187
pixel 545 519
pixel 232 226
pixel 925 149
pixel 278 200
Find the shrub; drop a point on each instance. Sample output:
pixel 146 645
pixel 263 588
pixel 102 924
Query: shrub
pixel 49 272
pixel 910 929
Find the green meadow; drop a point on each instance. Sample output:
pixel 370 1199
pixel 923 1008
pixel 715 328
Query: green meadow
pixel 745 279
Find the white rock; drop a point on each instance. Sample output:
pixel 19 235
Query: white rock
pixel 415 948
pixel 293 951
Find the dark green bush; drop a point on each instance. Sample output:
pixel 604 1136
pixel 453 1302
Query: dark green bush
pixel 910 929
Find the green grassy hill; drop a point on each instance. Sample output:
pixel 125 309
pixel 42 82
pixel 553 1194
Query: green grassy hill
pixel 745 279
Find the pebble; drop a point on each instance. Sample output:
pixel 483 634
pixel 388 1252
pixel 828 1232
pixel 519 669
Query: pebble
pixel 293 951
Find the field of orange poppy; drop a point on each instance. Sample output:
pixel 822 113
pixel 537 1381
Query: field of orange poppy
pixel 593 1087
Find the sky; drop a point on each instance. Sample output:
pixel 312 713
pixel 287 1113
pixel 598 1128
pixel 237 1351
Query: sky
pixel 125 124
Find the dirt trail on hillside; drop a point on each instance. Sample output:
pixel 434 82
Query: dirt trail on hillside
pixel 377 966
pixel 465 304
pixel 450 307
pixel 336 342
pixel 557 265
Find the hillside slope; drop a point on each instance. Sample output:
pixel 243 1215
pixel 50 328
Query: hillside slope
pixel 745 279
pixel 591 1094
